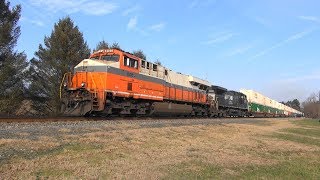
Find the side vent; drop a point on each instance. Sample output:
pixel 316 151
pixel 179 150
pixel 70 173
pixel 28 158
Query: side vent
pixel 129 86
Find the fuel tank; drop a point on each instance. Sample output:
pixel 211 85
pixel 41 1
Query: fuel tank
pixel 169 108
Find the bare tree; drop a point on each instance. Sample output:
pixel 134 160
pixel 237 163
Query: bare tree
pixel 311 106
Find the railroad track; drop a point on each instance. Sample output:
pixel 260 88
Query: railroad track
pixel 70 119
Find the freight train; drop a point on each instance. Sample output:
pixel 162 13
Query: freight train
pixel 112 82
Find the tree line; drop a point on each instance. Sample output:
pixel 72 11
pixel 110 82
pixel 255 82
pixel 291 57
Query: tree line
pixel 35 83
pixel 295 104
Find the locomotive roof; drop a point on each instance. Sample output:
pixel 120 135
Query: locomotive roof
pixel 236 92
pixel 111 50
pixel 219 89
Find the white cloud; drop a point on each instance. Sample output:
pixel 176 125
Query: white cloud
pixel 222 37
pixel 131 10
pixel 310 18
pixel 94 7
pixel 172 40
pixel 298 35
pixel 33 21
pixel 200 3
pixel 313 76
pixel 240 50
pixel 157 27
pixel 193 4
pixel 37 22
pixel 132 24
pixel 286 91
pixel 261 21
pixel 282 43
pixel 298 86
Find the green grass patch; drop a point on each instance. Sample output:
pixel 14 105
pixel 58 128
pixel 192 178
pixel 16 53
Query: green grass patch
pixel 307 122
pixel 309 133
pixel 298 168
pixel 303 131
pixel 53 173
pixel 78 147
pixel 296 138
pixel 193 170
pixel 14 153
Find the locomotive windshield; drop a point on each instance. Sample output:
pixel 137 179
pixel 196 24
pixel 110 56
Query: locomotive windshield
pixel 114 58
pixel 95 58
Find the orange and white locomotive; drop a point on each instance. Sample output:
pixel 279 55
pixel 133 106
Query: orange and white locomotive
pixel 114 82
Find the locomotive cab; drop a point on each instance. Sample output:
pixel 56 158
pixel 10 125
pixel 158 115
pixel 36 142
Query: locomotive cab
pixel 114 58
pixel 108 59
pixel 86 90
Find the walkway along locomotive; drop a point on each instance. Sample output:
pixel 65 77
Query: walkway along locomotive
pixel 114 82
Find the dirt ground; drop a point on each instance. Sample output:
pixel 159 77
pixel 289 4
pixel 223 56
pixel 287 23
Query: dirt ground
pixel 161 149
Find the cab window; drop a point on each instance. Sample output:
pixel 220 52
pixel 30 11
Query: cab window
pixel 113 58
pixel 130 62
pixel 155 67
pixel 143 64
pixel 95 58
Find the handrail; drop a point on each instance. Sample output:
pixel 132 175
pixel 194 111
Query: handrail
pixel 95 85
pixel 104 87
pixel 101 81
pixel 63 79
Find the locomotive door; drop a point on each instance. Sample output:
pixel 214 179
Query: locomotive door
pixel 172 93
pixel 167 92
pixel 132 87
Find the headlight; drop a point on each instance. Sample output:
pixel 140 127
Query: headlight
pixel 83 84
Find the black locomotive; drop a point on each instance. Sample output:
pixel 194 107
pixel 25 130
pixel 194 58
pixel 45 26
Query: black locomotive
pixel 230 103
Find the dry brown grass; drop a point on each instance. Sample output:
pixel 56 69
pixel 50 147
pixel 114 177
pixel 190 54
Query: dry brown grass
pixel 131 152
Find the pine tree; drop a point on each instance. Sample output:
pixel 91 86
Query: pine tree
pixel 102 45
pixel 139 53
pixel 115 45
pixel 64 49
pixel 12 63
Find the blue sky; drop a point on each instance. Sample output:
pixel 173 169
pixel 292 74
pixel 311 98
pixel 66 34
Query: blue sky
pixel 270 46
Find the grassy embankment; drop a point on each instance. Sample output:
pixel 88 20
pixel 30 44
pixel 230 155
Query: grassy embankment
pixel 286 149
